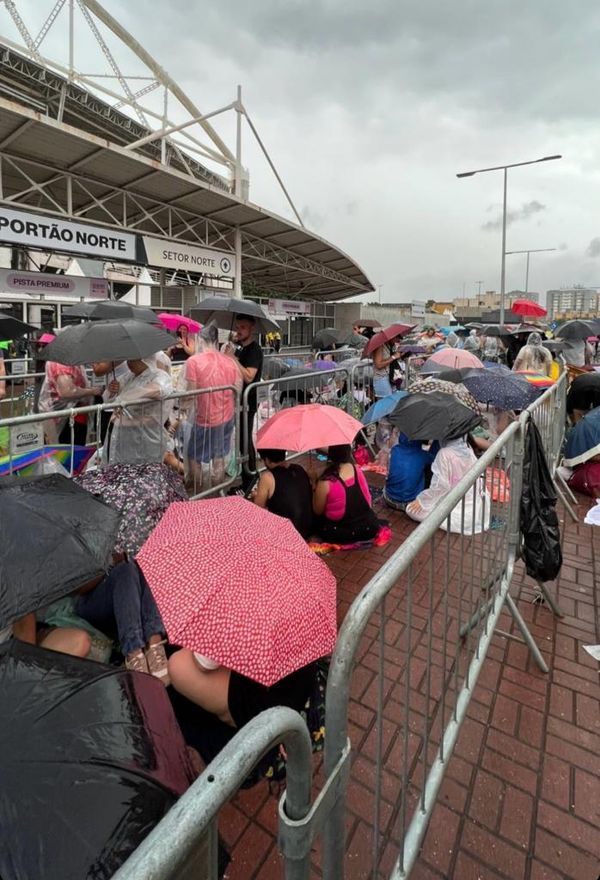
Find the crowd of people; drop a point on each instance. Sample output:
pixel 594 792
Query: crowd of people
pixel 179 409
pixel 326 497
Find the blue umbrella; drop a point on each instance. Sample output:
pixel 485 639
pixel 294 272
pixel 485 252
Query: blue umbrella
pixel 583 440
pixel 382 407
pixel 503 390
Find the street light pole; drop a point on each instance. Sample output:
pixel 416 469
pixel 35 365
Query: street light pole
pixel 503 264
pixel 505 168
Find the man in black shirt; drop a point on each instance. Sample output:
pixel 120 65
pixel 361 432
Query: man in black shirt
pixel 250 359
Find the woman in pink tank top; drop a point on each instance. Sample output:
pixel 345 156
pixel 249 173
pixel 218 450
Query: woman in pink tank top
pixel 342 501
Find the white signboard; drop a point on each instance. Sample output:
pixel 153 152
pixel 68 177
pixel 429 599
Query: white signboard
pixel 56 234
pixel 288 307
pixel 36 284
pixel 417 309
pixel 164 254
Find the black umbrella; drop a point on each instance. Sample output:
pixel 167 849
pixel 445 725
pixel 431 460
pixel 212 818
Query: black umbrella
pixel 576 330
pixel 11 327
pixel 91 759
pixel 111 310
pixel 274 368
pixel 106 341
pixel 496 330
pixel 441 371
pixel 553 344
pixel 434 416
pixel 54 537
pixel 355 340
pixel 223 309
pixel 326 339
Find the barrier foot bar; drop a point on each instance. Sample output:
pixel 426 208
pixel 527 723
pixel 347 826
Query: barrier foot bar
pixel 563 498
pixel 566 488
pixel 527 637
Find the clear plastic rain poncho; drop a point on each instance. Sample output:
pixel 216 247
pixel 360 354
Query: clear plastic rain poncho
pixel 450 465
pixel 533 357
pixel 138 435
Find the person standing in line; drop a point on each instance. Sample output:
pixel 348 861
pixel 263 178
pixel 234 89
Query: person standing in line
pixel 65 387
pixel 213 411
pixel 250 360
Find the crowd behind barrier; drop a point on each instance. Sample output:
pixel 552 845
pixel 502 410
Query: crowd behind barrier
pixel 436 605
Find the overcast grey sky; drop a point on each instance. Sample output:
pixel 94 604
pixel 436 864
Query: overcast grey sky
pixel 369 110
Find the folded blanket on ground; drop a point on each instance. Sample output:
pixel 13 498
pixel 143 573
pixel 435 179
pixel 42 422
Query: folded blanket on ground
pixel 382 537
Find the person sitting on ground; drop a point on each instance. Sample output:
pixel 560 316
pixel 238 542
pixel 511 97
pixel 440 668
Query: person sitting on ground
pixel 342 501
pixel 584 394
pixel 233 698
pixel 453 462
pixel 533 357
pixel 64 640
pixel 285 489
pixel 121 604
pixel 409 463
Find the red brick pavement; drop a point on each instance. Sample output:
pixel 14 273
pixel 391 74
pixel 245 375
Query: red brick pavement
pixel 521 796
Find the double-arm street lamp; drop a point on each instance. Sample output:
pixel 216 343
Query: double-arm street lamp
pixel 530 251
pixel 505 168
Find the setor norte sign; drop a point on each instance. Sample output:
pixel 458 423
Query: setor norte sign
pixel 56 234
pixel 164 254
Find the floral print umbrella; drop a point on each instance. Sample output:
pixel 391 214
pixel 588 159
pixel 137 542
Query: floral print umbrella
pixel 141 492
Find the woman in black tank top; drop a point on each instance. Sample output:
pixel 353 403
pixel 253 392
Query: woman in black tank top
pixel 285 490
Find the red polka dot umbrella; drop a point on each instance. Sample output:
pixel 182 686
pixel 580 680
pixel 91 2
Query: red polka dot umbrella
pixel 240 586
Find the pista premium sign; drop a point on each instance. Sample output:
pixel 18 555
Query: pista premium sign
pixel 37 284
pixel 171 254
pixel 57 234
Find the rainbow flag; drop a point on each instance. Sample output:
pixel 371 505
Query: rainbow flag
pixel 24 463
pixel 536 379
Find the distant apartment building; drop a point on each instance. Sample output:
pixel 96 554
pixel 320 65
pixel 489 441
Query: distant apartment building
pixel 477 306
pixel 572 302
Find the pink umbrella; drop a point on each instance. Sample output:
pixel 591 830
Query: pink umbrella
pixel 528 307
pixel 394 331
pixel 45 338
pixel 309 426
pixel 240 586
pixel 455 358
pixel 173 322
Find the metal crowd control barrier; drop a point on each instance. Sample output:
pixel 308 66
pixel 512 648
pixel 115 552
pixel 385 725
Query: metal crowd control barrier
pixel 421 627
pixel 184 845
pixel 171 419
pixel 263 399
pixel 18 393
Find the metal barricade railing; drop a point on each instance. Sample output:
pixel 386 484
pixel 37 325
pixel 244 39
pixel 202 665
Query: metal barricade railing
pixel 176 423
pixel 263 399
pixel 19 390
pixel 435 604
pixel 183 846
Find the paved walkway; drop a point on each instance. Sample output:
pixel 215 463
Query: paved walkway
pixel 521 797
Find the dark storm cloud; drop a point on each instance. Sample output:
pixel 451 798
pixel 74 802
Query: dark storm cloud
pixel 510 57
pixel 524 213
pixel 593 248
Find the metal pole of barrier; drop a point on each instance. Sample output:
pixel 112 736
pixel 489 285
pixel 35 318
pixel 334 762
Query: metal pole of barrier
pixel 352 629
pixel 171 847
